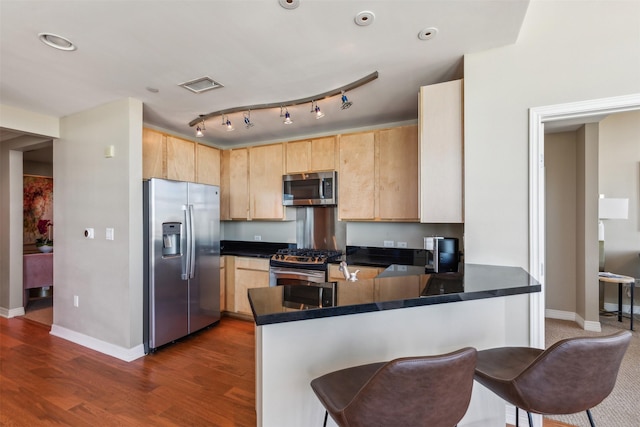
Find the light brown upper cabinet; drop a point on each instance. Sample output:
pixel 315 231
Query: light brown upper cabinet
pixel 378 175
pixel 239 183
pixel 181 159
pixel 153 154
pixel 311 155
pixel 170 157
pixel 441 153
pixel 207 164
pixel 251 183
pixel 398 174
pixel 225 185
pixel 356 176
pixel 265 181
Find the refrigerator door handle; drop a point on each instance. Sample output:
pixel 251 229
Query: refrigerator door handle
pixel 192 244
pixel 186 260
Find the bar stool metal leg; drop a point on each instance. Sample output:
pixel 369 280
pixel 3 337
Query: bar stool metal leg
pixel 326 414
pixel 590 418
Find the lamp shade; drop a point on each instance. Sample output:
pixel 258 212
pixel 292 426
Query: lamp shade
pixel 613 208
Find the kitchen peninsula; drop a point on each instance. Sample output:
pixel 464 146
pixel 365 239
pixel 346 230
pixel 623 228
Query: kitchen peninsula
pixel 402 312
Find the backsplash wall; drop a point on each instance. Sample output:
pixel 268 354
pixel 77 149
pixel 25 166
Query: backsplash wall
pixel 358 233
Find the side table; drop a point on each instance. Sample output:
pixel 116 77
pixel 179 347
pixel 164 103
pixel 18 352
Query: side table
pixel 620 280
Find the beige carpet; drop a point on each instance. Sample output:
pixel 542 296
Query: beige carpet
pixel 622 407
pixel 40 310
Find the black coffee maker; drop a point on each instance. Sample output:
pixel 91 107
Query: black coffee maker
pixel 442 254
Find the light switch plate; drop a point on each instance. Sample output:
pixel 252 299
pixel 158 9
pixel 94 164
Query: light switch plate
pixel 388 243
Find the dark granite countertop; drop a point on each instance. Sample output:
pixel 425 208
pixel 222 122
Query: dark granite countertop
pixel 399 286
pixel 252 249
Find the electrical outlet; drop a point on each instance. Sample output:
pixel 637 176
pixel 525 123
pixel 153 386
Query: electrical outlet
pixel 388 243
pixel 402 244
pixel 109 234
pixel 257 238
pixel 76 301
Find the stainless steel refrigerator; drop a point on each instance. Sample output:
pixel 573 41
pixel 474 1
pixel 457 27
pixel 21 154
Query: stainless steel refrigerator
pixel 182 259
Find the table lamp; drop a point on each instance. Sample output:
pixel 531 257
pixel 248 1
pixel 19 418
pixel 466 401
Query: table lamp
pixel 609 209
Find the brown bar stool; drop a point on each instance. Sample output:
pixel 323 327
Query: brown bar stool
pixel 571 376
pixel 429 391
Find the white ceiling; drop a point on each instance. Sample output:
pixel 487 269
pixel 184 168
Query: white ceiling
pixel 261 52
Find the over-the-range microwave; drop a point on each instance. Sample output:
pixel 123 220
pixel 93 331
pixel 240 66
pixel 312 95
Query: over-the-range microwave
pixel 310 189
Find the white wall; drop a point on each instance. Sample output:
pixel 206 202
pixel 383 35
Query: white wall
pixel 94 191
pixel 566 52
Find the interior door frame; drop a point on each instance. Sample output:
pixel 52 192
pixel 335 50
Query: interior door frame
pixel 538 116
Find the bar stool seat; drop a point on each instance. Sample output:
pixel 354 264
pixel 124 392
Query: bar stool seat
pixel 571 376
pixel 425 391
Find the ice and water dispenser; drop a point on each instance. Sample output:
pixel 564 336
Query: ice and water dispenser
pixel 171 233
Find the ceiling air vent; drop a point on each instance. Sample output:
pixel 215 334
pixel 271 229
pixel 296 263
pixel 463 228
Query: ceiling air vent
pixel 200 85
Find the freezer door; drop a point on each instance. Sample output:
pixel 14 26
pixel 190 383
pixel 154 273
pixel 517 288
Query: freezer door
pixel 167 291
pixel 204 280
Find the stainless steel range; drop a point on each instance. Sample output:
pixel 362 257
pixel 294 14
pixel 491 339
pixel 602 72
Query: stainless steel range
pixel 300 266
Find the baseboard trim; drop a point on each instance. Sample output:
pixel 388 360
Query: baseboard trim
pixel 587 325
pixel 11 312
pixel 126 354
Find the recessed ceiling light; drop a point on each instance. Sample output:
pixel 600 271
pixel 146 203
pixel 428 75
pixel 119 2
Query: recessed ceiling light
pixel 428 33
pixel 289 4
pixel 200 85
pixel 365 18
pixel 56 42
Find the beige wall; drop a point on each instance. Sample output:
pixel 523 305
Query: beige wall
pixel 557 59
pixel 94 191
pixel 560 213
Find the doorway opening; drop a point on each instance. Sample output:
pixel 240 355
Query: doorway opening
pixel 579 112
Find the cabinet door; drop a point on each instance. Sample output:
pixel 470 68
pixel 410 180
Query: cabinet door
pixel 265 181
pixel 153 154
pixel 208 165
pixel 441 151
pixel 223 284
pixel 249 273
pixel 225 189
pixel 398 174
pixel 323 154
pixel 356 179
pixel 181 159
pixel 298 154
pixel 239 183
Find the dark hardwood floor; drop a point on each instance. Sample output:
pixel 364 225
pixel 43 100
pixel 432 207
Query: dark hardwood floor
pixel 207 379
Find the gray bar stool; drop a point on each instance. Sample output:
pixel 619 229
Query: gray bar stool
pixel 571 376
pixel 423 391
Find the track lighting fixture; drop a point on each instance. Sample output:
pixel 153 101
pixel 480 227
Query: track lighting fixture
pixel 316 109
pixel 226 122
pixel 247 120
pixel 283 105
pixel 287 117
pixel 199 130
pixel 345 102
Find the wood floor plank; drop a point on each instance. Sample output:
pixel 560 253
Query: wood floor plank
pixel 207 379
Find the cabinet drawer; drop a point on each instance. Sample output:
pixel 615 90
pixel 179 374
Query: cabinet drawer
pixel 261 264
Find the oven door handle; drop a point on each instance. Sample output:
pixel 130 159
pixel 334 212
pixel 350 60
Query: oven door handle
pixel 291 272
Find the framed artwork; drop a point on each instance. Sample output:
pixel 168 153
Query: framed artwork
pixel 37 205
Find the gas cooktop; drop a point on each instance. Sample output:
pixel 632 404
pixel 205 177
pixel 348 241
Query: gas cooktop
pixel 305 256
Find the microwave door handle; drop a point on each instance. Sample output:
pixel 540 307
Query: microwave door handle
pixel 321 181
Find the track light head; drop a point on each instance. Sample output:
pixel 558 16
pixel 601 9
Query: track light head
pixel 345 102
pixel 287 118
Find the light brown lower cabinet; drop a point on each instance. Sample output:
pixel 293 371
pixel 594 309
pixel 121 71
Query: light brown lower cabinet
pixel 366 272
pixel 244 273
pixel 223 284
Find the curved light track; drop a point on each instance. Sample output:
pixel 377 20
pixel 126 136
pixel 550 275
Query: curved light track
pixel 285 104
